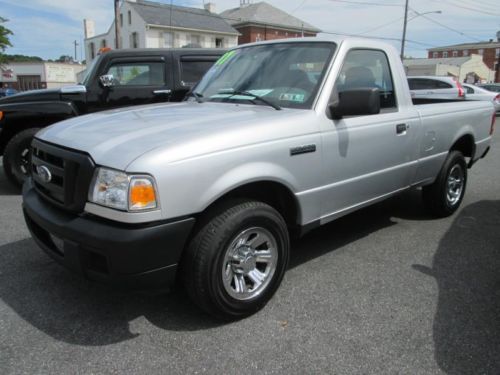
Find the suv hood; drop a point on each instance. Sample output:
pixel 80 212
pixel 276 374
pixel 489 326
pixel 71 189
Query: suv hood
pixel 118 137
pixel 32 96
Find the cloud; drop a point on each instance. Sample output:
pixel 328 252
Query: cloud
pixel 63 20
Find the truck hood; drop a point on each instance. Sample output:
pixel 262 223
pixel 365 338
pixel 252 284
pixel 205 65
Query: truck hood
pixel 32 96
pixel 118 137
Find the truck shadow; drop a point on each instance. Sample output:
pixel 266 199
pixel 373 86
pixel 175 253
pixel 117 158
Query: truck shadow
pixel 6 188
pixel 75 311
pixel 466 267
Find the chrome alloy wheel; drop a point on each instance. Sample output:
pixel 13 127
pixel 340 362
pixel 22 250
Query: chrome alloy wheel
pixel 249 263
pixel 455 185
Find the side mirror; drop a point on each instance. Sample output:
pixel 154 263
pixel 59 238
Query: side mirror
pixel 107 80
pixel 355 102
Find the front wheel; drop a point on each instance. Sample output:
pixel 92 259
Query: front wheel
pixel 236 259
pixel 17 155
pixel 444 196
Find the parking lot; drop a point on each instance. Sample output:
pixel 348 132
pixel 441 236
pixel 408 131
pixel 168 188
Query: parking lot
pixel 384 290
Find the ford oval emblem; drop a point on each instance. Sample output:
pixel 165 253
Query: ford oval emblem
pixel 44 173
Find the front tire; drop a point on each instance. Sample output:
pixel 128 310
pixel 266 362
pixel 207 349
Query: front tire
pixel 445 195
pixel 17 155
pixel 236 260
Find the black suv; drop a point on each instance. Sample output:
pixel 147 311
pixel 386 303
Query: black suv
pixel 114 79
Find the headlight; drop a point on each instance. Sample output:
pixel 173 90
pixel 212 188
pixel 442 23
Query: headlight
pixel 118 190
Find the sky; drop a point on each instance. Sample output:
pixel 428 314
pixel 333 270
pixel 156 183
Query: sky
pixel 48 28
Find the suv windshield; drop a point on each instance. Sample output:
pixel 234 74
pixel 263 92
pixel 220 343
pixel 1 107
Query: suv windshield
pixel 89 72
pixel 285 74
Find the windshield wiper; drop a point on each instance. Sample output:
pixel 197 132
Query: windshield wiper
pixel 196 95
pixel 249 93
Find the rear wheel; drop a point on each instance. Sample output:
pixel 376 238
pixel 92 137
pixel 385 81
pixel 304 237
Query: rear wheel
pixel 444 196
pixel 236 259
pixel 17 156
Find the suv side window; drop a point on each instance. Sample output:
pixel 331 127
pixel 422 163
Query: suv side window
pixel 138 74
pixel 193 68
pixel 368 68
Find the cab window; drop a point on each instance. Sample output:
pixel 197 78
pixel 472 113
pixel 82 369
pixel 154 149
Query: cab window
pixel 368 69
pixel 138 74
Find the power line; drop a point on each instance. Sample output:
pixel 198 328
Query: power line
pixel 445 26
pixel 468 8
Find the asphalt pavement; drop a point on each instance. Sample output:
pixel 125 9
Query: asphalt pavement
pixel 385 290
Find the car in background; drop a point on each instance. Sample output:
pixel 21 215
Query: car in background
pixel 436 87
pixel 495 87
pixel 7 92
pixel 479 93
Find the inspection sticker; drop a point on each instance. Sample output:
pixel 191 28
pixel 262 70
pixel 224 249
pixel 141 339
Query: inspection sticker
pixel 299 98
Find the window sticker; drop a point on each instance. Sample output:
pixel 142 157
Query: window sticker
pixel 225 58
pixel 298 98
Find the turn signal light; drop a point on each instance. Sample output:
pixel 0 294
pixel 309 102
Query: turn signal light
pixel 142 194
pixel 1 115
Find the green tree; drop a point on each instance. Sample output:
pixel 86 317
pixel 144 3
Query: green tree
pixel 4 35
pixel 4 38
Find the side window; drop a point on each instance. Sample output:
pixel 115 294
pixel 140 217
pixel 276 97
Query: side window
pixel 138 74
pixel 368 68
pixel 193 70
pixel 443 85
pixel 469 90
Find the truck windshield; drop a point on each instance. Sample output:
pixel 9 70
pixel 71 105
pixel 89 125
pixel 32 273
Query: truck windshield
pixel 89 72
pixel 285 74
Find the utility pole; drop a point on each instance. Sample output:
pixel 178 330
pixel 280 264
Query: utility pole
pixel 404 32
pixel 117 25
pixel 76 45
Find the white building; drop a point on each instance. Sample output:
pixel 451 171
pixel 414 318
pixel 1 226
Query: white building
pixel 471 68
pixel 24 76
pixel 146 24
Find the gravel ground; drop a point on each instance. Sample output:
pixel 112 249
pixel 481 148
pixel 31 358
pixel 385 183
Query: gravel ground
pixel 385 290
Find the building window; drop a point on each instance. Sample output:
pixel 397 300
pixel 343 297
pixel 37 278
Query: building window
pixel 134 40
pixel 435 55
pixel 129 17
pixel 445 54
pixel 195 41
pixel 481 52
pixel 121 19
pixel 455 53
pixel 465 52
pixel 168 40
pixel 258 38
pixel 497 52
pixel 219 42
pixel 92 50
pixel 103 43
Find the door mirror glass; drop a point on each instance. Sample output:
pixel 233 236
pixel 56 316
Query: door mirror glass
pixel 107 80
pixel 355 102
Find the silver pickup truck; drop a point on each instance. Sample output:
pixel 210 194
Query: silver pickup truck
pixel 278 138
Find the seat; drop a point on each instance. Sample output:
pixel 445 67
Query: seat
pixel 359 76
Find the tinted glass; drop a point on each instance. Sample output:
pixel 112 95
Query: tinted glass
pixel 138 74
pixel 368 68
pixel 192 71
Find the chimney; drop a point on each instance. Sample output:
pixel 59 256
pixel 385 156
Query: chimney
pixel 88 28
pixel 244 3
pixel 210 7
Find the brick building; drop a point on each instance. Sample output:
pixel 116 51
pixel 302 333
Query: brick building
pixel 262 21
pixel 490 51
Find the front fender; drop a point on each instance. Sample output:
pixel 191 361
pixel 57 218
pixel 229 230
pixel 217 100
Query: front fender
pixel 50 108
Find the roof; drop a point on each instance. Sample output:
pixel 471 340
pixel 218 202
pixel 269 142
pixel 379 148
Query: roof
pixel 443 61
pixel 265 14
pixel 176 16
pixel 467 46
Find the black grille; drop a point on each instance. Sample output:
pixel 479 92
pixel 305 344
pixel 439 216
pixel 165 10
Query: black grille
pixel 70 171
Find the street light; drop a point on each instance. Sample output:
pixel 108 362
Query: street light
pixel 418 14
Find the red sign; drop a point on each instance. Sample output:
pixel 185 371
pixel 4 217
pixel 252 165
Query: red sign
pixel 9 73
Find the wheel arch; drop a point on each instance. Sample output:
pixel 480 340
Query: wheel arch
pixel 465 144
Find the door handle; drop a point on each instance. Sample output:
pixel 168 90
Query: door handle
pixel 402 128
pixel 160 92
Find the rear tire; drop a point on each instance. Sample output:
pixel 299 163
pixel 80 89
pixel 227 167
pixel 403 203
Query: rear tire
pixel 17 156
pixel 445 195
pixel 236 259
